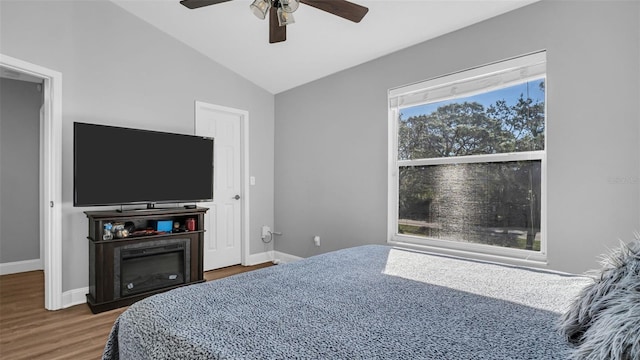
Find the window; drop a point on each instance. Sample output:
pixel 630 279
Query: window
pixel 467 160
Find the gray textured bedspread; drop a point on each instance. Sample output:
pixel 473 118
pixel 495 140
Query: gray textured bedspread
pixel 368 302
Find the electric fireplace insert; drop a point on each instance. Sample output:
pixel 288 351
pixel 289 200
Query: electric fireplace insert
pixel 151 265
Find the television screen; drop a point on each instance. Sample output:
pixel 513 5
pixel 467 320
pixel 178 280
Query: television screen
pixel 117 166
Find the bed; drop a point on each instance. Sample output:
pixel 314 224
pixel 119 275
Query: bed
pixel 367 302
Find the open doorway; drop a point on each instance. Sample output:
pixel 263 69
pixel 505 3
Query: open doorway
pixel 49 176
pixel 21 107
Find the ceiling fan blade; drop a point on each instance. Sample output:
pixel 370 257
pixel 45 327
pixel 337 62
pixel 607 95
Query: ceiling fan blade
pixel 194 4
pixel 277 33
pixel 342 8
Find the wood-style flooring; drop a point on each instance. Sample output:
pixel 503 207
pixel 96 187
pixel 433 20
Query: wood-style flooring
pixel 28 331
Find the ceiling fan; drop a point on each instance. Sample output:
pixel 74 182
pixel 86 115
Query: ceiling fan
pixel 281 12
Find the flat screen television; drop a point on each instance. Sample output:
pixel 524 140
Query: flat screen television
pixel 120 166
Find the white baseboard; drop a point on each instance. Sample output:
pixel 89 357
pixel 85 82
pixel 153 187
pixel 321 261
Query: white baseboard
pixel 69 298
pixel 21 266
pixel 284 258
pixel 74 297
pixel 269 256
pixel 259 258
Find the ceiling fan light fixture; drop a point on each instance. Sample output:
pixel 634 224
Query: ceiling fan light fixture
pixel 289 5
pixel 260 8
pixel 285 18
pixel 283 10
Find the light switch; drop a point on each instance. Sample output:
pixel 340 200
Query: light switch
pixel 252 180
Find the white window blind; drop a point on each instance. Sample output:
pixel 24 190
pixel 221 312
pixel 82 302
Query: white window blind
pixel 470 82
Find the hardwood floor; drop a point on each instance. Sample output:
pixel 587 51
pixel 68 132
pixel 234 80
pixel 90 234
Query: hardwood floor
pixel 28 331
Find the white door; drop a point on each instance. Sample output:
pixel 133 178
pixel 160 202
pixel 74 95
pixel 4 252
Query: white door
pixel 223 221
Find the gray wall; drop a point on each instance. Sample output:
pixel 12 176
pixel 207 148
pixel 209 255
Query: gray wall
pixel 20 103
pixel 331 135
pixel 119 70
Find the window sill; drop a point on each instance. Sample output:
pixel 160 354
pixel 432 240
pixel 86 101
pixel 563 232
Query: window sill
pixel 507 256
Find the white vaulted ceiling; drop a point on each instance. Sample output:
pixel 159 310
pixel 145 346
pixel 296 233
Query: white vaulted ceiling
pixel 318 44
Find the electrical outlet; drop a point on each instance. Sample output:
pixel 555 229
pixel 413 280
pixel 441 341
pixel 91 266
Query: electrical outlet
pixel 265 231
pixel 316 240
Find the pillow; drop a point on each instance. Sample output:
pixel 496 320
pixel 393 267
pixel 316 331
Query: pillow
pixel 604 321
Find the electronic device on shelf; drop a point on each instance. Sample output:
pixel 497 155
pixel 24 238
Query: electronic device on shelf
pixel 121 166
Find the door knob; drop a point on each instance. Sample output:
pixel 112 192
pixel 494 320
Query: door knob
pixel 237 197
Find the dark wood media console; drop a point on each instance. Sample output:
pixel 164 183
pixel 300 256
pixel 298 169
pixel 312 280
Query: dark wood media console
pixel 146 261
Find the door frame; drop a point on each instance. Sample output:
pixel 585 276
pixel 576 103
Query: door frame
pixel 244 170
pixel 50 176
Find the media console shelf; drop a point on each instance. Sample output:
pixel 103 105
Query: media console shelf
pixel 143 261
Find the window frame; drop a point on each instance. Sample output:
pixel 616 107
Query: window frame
pixel 468 249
